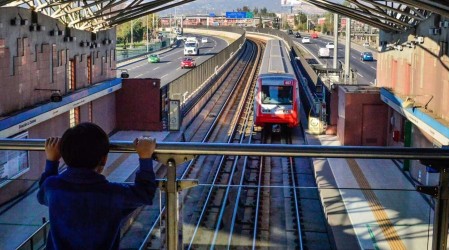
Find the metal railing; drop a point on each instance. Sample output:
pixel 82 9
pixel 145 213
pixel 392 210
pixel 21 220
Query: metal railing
pixel 173 153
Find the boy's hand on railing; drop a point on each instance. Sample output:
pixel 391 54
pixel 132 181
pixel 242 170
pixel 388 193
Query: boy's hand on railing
pixel 52 148
pixel 145 146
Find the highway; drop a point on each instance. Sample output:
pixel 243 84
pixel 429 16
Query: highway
pixel 366 70
pixel 169 68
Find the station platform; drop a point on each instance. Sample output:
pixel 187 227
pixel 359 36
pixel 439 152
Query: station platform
pixel 369 204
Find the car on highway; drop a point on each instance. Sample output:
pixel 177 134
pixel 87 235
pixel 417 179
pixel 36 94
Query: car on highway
pixel 204 40
pixel 324 52
pixel 366 56
pixel 180 37
pixel 290 32
pixel 314 35
pixel 153 58
pixel 305 39
pixel 298 35
pixel 330 45
pixel 188 62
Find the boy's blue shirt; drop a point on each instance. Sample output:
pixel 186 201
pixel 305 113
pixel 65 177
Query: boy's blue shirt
pixel 86 210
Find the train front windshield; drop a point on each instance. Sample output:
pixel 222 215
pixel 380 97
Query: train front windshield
pixel 277 94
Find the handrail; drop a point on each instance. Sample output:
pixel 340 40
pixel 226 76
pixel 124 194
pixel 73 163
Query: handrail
pixel 191 148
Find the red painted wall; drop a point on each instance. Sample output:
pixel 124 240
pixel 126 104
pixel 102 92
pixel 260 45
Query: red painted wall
pixel 362 117
pixel 138 105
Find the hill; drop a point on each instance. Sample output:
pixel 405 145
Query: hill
pixel 220 7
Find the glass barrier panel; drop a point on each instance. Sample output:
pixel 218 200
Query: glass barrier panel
pixel 268 217
pixel 20 213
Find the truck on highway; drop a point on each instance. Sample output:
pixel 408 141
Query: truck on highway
pixel 191 46
pixel 324 52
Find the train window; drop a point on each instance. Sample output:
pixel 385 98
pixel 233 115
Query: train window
pixel 275 94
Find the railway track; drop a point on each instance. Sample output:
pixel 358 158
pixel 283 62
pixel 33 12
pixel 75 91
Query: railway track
pixel 244 202
pixel 212 125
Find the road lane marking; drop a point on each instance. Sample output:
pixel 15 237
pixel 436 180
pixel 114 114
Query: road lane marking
pixel 373 68
pixel 156 68
pixel 359 74
pixel 164 75
pixel 138 75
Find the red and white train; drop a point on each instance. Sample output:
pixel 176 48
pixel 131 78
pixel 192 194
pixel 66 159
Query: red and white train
pixel 276 100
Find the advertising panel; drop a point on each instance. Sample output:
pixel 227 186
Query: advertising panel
pixel 291 2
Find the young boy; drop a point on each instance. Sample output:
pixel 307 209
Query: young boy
pixel 85 209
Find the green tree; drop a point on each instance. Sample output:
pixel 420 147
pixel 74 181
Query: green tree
pixel 256 11
pixel 140 27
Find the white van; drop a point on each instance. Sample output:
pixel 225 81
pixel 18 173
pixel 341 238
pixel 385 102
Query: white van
pixel 324 52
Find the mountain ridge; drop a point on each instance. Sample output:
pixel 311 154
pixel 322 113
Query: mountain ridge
pixel 220 7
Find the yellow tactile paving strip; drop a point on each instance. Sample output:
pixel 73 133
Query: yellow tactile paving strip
pixel 392 237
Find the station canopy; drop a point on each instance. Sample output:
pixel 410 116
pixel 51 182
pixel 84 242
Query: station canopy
pixel 95 15
pixel 390 16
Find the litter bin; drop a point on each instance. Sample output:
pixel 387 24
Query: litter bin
pixel 315 125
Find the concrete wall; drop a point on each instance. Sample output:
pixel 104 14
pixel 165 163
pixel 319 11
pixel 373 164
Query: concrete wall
pixel 233 36
pixel 139 105
pixel 420 70
pixel 35 59
pixel 104 112
pixel 362 116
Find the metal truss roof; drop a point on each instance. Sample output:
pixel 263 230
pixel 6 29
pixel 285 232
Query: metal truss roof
pixel 95 15
pixel 397 15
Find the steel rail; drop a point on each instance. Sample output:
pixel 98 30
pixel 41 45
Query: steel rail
pixel 191 163
pixel 247 115
pixel 295 196
pixel 256 213
pixel 239 191
pixel 220 164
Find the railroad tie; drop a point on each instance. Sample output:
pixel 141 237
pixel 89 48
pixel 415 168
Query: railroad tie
pixel 387 227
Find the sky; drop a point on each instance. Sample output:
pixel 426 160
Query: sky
pixel 219 7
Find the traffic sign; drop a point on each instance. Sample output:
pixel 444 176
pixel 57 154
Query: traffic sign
pixel 239 15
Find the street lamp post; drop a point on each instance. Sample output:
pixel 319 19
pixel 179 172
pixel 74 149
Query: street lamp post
pixel 132 40
pixel 148 42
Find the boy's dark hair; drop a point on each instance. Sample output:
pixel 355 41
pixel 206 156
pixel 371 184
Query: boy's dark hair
pixel 84 145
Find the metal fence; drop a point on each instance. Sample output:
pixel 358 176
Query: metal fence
pixel 188 87
pixel 168 153
pixel 192 80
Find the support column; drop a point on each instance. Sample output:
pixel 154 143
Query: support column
pixel 441 194
pixel 440 225
pixel 172 208
pixel 335 61
pixel 348 50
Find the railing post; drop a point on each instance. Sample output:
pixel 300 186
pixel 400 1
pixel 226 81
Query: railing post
pixel 440 225
pixel 441 194
pixel 172 207
pixel 172 186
